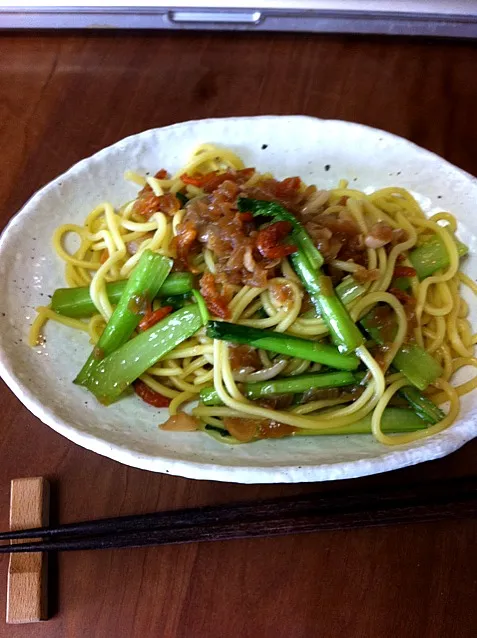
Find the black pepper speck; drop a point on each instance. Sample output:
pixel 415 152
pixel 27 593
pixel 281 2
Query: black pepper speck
pixel 264 146
pixel 327 167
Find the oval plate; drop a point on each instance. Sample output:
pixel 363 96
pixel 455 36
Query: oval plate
pixel 321 152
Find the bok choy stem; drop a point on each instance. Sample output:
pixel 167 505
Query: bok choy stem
pixel 141 288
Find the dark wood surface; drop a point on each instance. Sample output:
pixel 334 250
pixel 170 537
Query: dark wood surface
pixel 63 97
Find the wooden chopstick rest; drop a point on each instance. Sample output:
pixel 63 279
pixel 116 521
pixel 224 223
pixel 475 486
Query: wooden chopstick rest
pixel 27 573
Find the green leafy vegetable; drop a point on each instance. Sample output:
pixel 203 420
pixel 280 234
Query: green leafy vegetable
pixel 432 256
pixel 288 385
pixel 204 313
pixel 347 290
pixel 283 344
pixel 413 361
pixel 77 302
pixel 343 331
pixel 141 288
pixel 394 420
pixel 116 372
pixel 421 405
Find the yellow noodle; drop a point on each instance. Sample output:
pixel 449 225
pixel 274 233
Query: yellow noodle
pixel 446 301
pixel 451 248
pixel 155 184
pixel 398 439
pixel 202 155
pixel 204 378
pixel 314 406
pixel 444 357
pixel 470 283
pixel 45 313
pixel 384 297
pixel 463 388
pixel 436 337
pixel 383 282
pixel 135 177
pixel 159 387
pixel 96 326
pixel 180 399
pixel 296 367
pixel 450 219
pixel 194 366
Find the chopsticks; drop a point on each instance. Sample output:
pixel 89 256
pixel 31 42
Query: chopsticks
pixel 434 501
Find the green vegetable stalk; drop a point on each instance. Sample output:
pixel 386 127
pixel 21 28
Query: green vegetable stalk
pixel 116 372
pixel 433 256
pixel 140 290
pixel 394 420
pixel 204 312
pixel 422 406
pixel 344 333
pixel 283 344
pixel 77 302
pixel 288 385
pixel 413 361
pixel 349 289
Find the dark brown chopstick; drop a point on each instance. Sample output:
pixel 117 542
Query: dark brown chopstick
pixel 305 513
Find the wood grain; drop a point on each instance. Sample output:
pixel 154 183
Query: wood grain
pixel 27 588
pixel 62 97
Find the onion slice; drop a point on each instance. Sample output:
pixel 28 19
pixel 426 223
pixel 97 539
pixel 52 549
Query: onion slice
pixel 261 375
pixel 180 422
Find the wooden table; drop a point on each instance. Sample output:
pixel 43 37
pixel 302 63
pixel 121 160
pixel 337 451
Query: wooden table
pixel 63 97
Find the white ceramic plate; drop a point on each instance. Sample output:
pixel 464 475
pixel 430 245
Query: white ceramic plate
pixel 321 152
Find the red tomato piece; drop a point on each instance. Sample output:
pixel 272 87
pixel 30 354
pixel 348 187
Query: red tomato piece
pixel 150 396
pixel 268 241
pixel 153 317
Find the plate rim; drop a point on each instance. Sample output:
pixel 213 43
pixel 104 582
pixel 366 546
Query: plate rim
pixel 395 458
